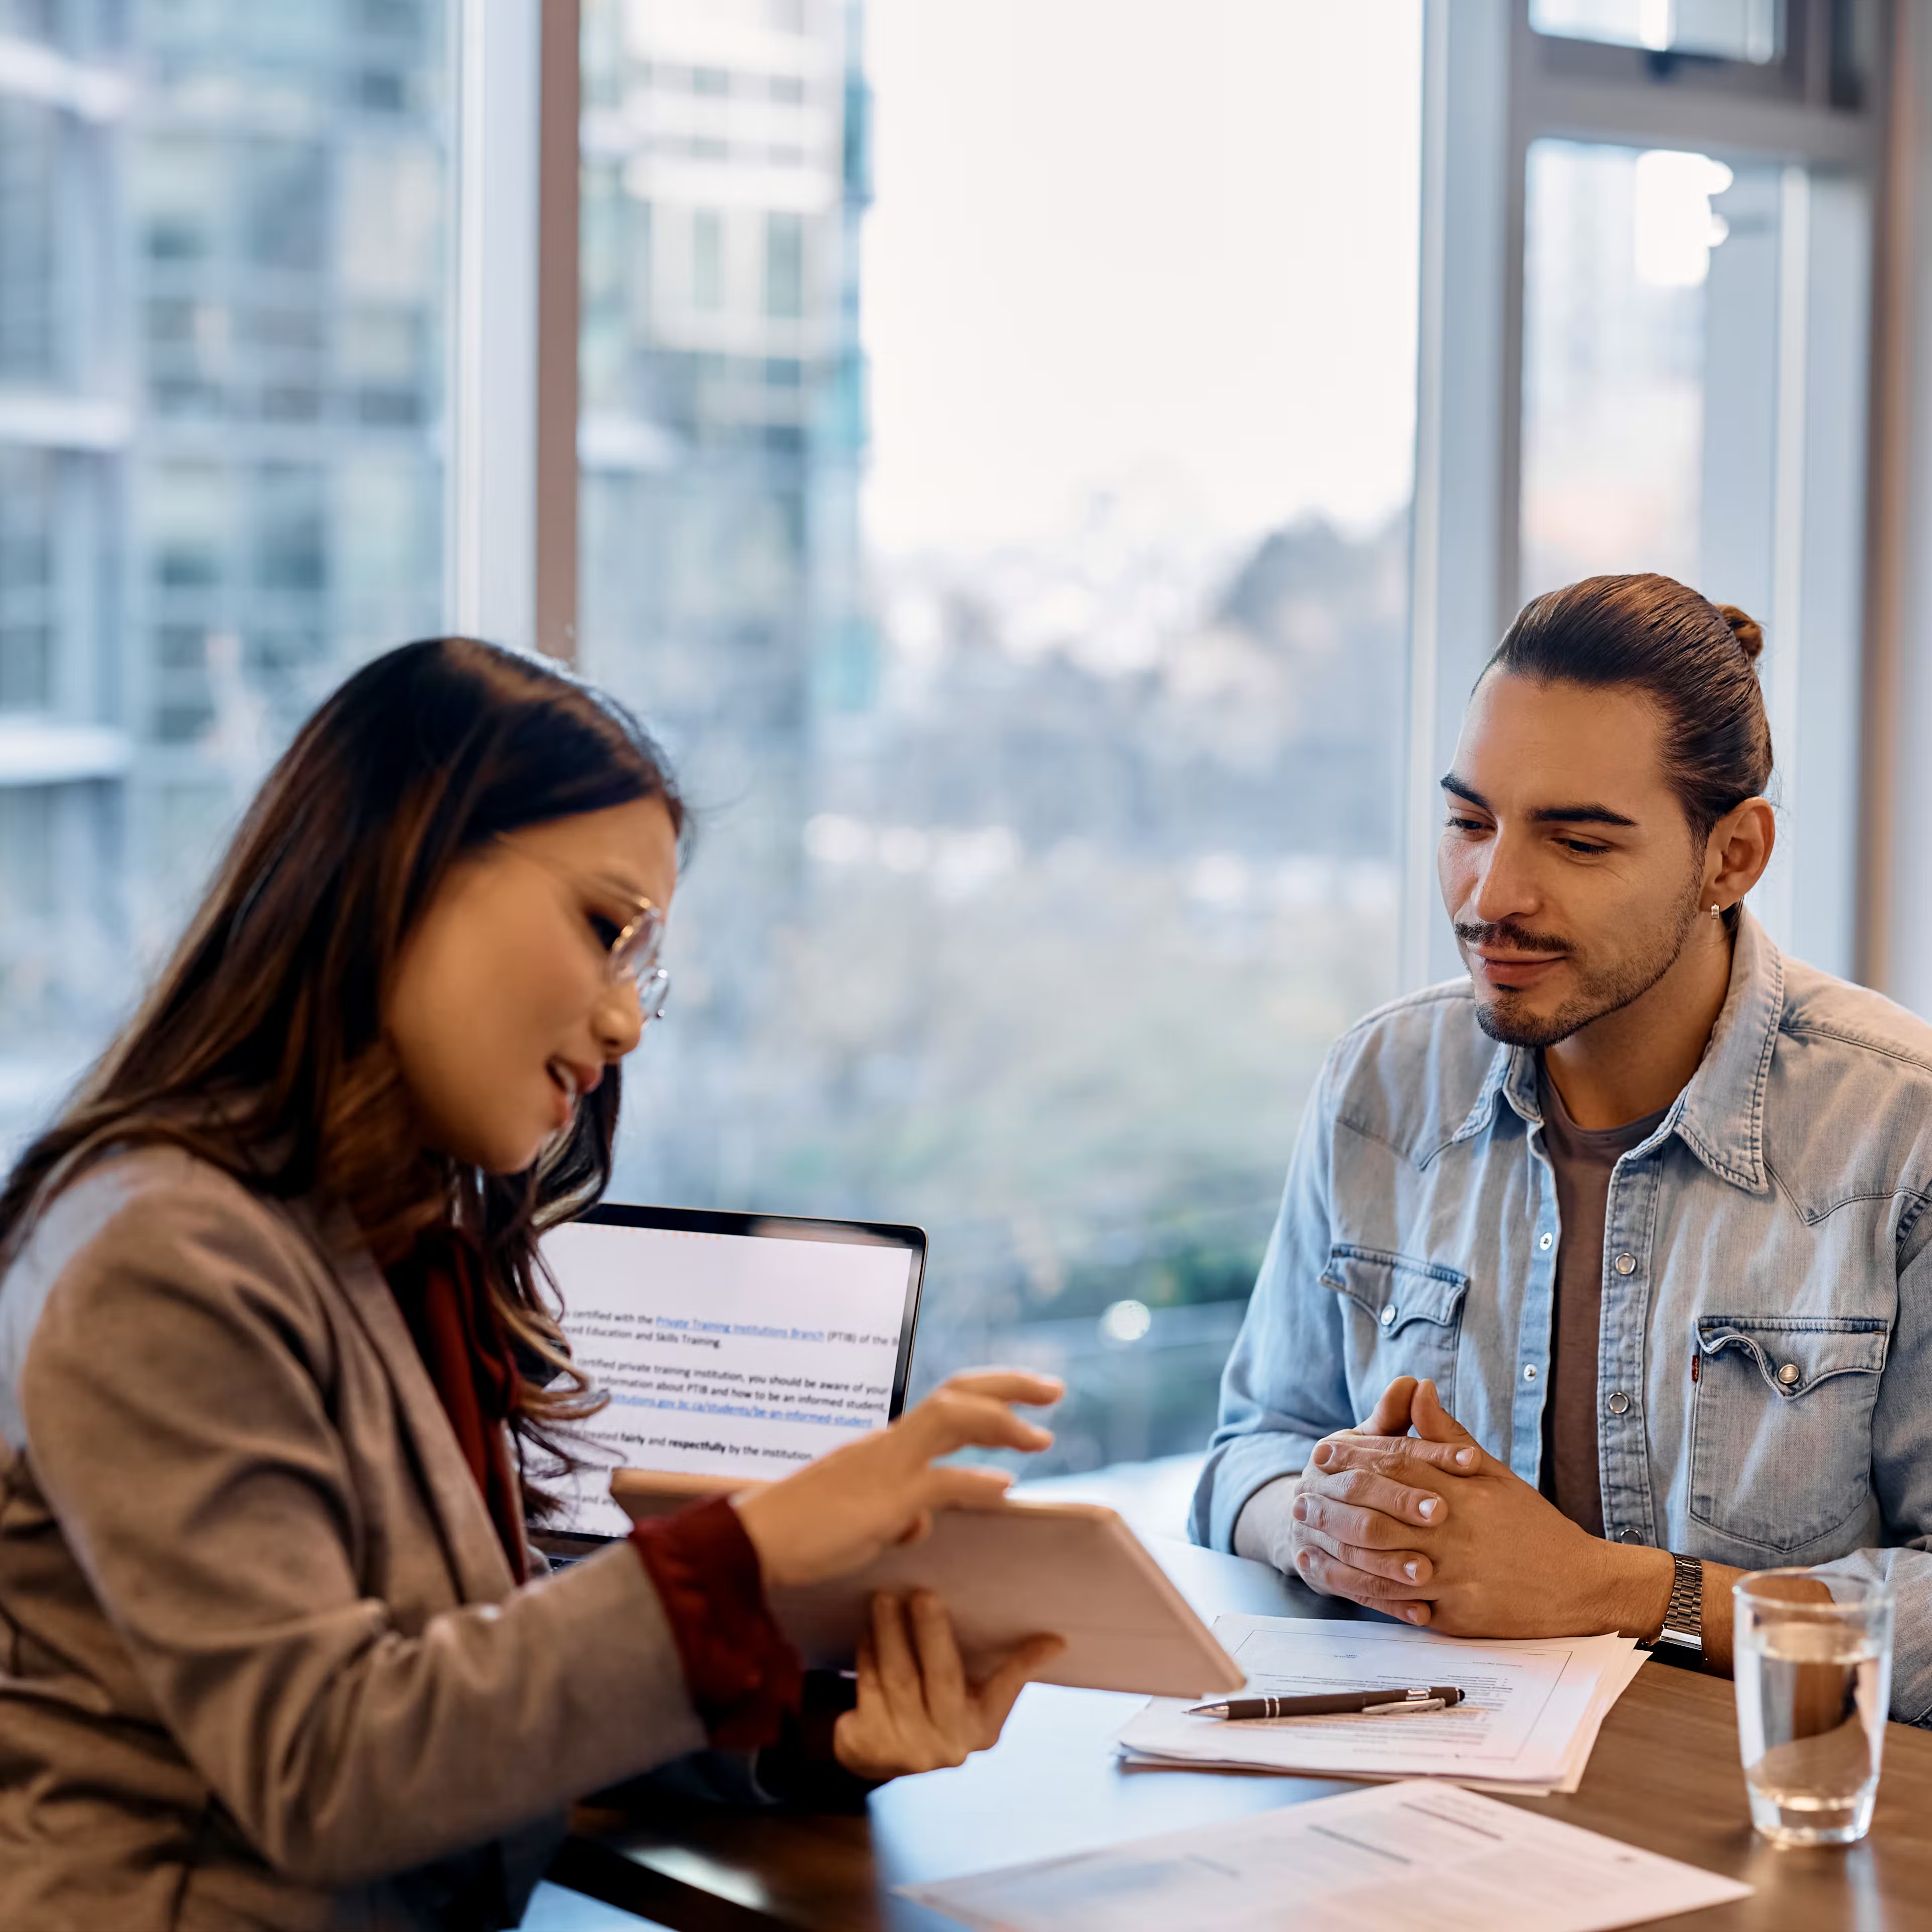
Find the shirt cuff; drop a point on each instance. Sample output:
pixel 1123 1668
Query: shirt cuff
pixel 745 1678
pixel 802 1768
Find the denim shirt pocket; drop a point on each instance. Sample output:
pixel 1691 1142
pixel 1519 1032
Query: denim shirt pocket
pixel 1406 1318
pixel 1781 1430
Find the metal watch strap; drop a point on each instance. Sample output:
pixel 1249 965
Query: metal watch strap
pixel 1684 1621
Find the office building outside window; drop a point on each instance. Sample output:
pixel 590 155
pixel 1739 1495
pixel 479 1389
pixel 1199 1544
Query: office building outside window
pixel 221 313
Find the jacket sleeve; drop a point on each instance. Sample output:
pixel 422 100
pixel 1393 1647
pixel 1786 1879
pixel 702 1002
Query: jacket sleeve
pixel 1285 1385
pixel 175 1399
pixel 1902 1478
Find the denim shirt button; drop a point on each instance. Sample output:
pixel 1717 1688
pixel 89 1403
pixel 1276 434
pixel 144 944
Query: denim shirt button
pixel 1627 1264
pixel 1388 1316
pixel 1529 1371
pixel 1629 1536
pixel 1788 1374
pixel 1543 1240
pixel 1619 1403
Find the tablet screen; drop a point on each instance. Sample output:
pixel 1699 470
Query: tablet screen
pixel 729 1344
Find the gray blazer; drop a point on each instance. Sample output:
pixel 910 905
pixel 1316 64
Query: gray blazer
pixel 262 1661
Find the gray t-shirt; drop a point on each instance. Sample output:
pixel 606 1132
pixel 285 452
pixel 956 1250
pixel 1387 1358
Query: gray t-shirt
pixel 1582 1159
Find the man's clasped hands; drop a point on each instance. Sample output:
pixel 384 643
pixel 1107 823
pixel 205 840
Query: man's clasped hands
pixel 1431 1527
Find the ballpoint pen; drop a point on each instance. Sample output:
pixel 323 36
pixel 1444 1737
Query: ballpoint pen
pixel 1384 1703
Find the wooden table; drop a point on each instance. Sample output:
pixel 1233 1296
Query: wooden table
pixel 1665 1775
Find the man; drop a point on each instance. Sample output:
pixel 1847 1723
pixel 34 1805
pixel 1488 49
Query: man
pixel 1641 1202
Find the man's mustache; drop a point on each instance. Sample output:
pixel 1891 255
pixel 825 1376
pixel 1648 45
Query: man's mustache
pixel 1507 933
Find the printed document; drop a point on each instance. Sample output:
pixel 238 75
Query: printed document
pixel 1382 1861
pixel 1528 1722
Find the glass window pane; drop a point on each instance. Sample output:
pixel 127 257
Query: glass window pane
pixel 29 512
pixel 240 279
pixel 1694 387
pixel 1641 449
pixel 32 295
pixel 1018 569
pixel 1742 30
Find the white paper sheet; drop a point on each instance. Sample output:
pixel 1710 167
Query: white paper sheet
pixel 1529 1723
pixel 1387 1860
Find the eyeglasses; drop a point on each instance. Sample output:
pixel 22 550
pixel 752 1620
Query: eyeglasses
pixel 633 952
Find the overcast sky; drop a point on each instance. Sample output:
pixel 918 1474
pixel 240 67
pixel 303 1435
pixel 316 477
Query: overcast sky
pixel 1168 246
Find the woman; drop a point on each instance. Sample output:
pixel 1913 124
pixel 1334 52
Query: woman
pixel 279 1384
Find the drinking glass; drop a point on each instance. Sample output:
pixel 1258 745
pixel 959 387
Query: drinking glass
pixel 1813 1674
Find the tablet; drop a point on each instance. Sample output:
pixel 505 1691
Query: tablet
pixel 737 1346
pixel 1005 1573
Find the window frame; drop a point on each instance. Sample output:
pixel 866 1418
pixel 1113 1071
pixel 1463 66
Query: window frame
pixel 511 504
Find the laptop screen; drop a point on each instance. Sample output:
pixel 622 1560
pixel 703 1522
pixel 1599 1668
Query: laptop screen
pixel 730 1345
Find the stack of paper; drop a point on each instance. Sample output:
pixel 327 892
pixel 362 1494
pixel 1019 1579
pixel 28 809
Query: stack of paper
pixel 1527 1723
pixel 1385 1861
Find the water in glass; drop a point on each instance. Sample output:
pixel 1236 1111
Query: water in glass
pixel 1813 1685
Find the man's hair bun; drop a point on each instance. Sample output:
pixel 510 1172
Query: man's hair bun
pixel 1748 631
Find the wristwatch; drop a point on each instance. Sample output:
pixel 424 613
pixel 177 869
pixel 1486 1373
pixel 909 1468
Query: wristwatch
pixel 1684 1621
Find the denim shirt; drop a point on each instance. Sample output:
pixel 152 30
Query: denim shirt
pixel 1765 1355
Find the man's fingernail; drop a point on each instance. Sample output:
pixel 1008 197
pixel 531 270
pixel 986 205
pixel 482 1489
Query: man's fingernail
pixel 1428 1506
pixel 1414 1616
pixel 1323 1454
pixel 1300 1511
pixel 1411 1570
pixel 1465 1459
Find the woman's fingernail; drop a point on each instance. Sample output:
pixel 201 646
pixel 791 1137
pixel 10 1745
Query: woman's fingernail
pixel 1411 1570
pixel 1324 1453
pixel 1465 1459
pixel 1428 1506
pixel 1414 1616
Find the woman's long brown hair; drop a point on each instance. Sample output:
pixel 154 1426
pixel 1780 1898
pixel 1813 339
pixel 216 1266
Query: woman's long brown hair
pixel 261 1047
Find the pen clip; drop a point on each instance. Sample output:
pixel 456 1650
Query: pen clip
pixel 1402 1706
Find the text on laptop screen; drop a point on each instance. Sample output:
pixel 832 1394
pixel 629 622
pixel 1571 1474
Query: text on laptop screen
pixel 722 1354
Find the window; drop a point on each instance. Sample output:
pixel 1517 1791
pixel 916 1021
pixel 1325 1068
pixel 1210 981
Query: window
pixel 31 285
pixel 707 259
pixel 221 321
pixel 1650 368
pixel 1058 612
pixel 1018 569
pixel 28 513
pixel 784 265
pixel 1743 30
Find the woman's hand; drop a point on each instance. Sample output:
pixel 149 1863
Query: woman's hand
pixel 917 1711
pixel 837 1513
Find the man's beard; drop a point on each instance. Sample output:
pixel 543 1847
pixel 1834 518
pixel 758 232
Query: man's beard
pixel 1600 993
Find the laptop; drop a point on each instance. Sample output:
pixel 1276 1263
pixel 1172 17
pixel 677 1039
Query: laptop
pixel 730 1345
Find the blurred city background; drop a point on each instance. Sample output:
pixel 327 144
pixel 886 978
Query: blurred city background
pixel 996 443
